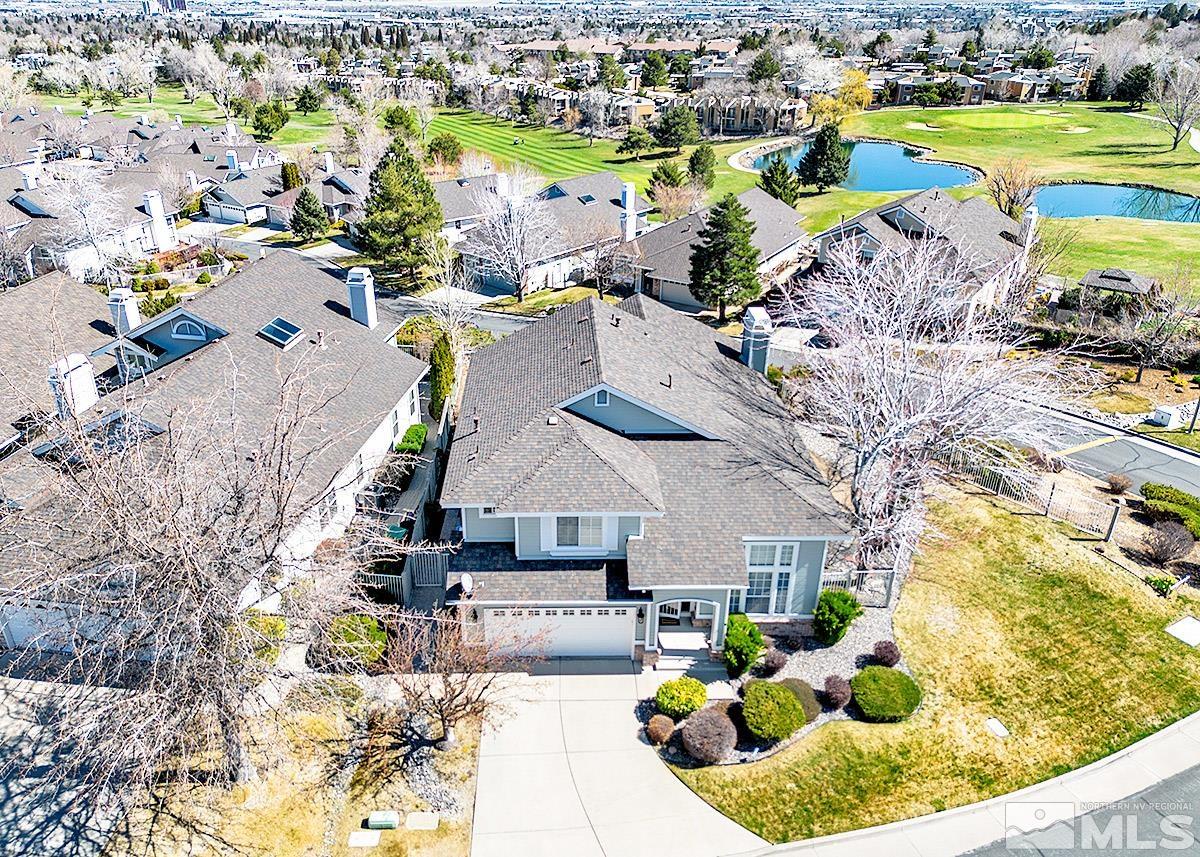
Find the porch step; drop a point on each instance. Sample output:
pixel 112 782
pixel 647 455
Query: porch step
pixel 680 660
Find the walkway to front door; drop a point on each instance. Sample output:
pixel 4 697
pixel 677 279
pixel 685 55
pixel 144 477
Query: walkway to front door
pixel 570 774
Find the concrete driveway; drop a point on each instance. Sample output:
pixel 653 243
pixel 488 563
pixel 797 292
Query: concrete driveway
pixel 568 773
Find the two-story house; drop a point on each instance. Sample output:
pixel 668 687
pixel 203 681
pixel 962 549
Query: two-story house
pixel 282 315
pixel 622 469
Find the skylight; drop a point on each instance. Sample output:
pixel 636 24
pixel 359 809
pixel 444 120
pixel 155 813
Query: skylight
pixel 587 199
pixel 281 331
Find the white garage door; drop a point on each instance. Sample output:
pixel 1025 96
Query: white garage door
pixel 566 632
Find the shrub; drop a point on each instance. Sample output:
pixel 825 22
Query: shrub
pixel 1161 584
pixel 709 736
pixel 772 711
pixel 660 729
pixel 743 644
pixel 413 440
pixel 774 661
pixel 1170 494
pixel 441 374
pixel 1118 483
pixel 885 695
pixel 357 638
pixel 266 633
pixel 208 258
pixel 837 692
pixel 805 695
pixel 887 653
pixel 205 278
pixel 1168 541
pixel 680 697
pixel 1158 510
pixel 836 609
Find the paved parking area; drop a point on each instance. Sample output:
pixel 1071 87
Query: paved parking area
pixel 568 773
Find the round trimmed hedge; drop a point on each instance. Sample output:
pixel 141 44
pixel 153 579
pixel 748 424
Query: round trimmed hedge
pixel 660 728
pixel 885 695
pixel 805 695
pixel 772 711
pixel 709 736
pixel 680 697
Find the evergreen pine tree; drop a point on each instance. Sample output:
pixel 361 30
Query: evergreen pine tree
pixel 677 127
pixel 666 174
pixel 725 261
pixel 779 181
pixel 289 175
pixel 702 166
pixel 309 219
pixel 1098 85
pixel 401 210
pixel 654 70
pixel 827 162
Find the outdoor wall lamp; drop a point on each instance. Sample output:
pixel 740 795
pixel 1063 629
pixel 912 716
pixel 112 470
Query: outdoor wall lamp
pixel 641 614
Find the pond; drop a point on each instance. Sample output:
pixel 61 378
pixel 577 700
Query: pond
pixel 1114 200
pixel 884 167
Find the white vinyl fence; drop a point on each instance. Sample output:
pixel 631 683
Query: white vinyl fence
pixel 1040 493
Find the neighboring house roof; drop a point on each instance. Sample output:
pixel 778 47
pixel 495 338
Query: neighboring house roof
pixel 343 186
pixel 458 196
pixel 665 253
pixel 258 187
pixel 741 471
pixel 360 371
pixel 40 322
pixel 1118 280
pixel 973 227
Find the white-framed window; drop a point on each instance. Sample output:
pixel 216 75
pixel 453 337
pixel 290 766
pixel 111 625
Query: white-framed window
pixel 395 423
pixel 579 531
pixel 358 468
pixel 771 571
pixel 412 402
pixel 602 398
pixel 185 328
pixel 487 512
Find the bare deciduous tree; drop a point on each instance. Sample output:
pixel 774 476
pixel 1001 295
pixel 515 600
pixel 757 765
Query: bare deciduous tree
pixel 1012 185
pixel 1177 96
pixel 443 673
pixel 595 105
pixel 14 88
pixel 517 231
pixel 162 548
pixel 1161 330
pixel 676 202
pixel 603 254
pixel 450 302
pixel 912 377
pixel 88 214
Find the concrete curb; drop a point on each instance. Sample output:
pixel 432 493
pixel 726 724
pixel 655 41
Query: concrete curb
pixel 1116 777
pixel 1130 433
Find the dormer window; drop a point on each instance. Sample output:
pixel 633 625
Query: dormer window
pixel 602 398
pixel 185 328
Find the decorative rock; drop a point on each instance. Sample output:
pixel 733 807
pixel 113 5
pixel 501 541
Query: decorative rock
pixel 383 819
pixel 421 821
pixel 363 839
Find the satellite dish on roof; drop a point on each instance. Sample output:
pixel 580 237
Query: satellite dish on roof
pixel 468 583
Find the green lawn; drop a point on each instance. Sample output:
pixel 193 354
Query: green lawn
pixel 540 301
pixel 1185 439
pixel 1004 616
pixel 561 154
pixel 300 130
pixel 1115 148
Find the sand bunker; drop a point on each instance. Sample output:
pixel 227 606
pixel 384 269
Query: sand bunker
pixel 1075 129
pixel 922 126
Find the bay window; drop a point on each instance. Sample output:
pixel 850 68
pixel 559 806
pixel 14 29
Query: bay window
pixel 768 591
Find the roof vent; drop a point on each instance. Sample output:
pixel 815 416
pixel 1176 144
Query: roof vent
pixel 552 420
pixel 281 332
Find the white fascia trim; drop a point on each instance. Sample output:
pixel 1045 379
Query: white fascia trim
pixel 171 315
pixel 475 603
pixel 635 401
pixel 841 537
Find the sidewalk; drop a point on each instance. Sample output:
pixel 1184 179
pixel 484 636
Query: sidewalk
pixel 1128 772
